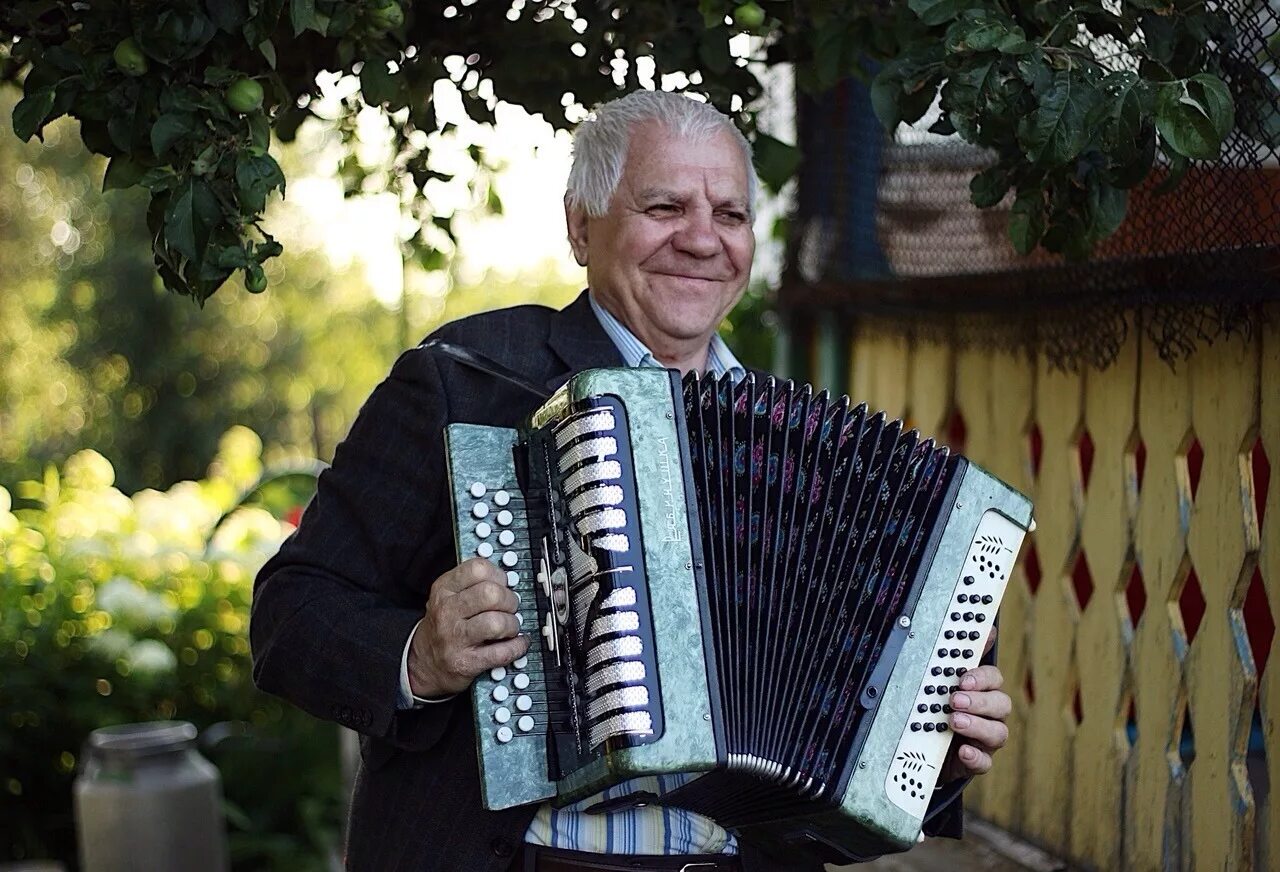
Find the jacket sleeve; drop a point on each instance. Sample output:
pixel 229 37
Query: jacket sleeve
pixel 332 610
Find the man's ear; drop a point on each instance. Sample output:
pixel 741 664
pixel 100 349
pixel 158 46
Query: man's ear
pixel 576 220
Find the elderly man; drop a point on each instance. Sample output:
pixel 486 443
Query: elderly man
pixel 364 618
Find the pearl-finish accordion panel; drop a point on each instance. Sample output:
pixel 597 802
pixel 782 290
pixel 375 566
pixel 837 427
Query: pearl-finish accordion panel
pixel 757 581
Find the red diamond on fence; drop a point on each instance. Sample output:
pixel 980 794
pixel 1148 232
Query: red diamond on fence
pixel 1031 567
pixel 1081 581
pixel 1261 468
pixel 1135 459
pixel 1191 605
pixel 1084 455
pixel 1135 595
pixel 956 431
pixel 1258 623
pixel 1035 449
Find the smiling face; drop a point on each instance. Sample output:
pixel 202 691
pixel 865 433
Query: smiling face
pixel 673 254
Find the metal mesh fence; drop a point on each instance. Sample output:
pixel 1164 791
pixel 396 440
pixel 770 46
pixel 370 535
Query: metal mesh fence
pixel 884 229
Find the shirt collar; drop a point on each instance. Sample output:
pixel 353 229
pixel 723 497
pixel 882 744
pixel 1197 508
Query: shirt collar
pixel 720 359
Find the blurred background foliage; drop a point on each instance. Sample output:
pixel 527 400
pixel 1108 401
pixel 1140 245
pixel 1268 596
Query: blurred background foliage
pixel 117 609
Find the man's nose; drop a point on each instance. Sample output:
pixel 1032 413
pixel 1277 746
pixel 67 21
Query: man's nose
pixel 698 237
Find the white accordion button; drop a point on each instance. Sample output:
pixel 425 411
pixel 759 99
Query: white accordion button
pixel 484 549
pixel 477 489
pixel 513 578
pixel 506 537
pixel 500 694
pixel 521 662
pixel 524 703
pixel 502 714
pixel 497 673
pixel 520 681
pixel 525 724
pixel 509 559
pixel 483 530
pixel 501 498
pixel 504 518
pixel 504 734
pixel 479 510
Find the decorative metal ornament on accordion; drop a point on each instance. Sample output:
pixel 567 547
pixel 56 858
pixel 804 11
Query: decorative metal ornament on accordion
pixel 754 581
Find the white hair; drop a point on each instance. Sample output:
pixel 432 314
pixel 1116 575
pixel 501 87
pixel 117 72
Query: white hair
pixel 601 142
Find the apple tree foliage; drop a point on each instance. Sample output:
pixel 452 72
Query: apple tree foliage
pixel 1077 98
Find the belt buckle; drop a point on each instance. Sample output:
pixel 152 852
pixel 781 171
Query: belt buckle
pixel 689 867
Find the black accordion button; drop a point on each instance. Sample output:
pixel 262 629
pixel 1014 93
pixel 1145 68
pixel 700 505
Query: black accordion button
pixel 955 616
pixel 968 616
pixel 937 670
pixel 928 728
pixel 986 600
pixel 967 653
pixel 942 652
pixel 946 709
pixel 980 618
pixel 949 634
pixel 961 671
pixel 922 708
pixel 968 579
pixel 915 727
pixel 963 598
pixel 942 728
pixel 955 652
pixel 928 688
pixel 935 708
pixel 949 671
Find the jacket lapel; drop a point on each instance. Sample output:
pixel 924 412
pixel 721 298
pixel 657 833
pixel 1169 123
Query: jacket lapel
pixel 579 341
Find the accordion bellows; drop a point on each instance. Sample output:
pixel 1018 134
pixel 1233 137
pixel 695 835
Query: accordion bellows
pixel 760 582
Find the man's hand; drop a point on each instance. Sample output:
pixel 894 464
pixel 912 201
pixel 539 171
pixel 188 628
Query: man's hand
pixel 469 626
pixel 979 708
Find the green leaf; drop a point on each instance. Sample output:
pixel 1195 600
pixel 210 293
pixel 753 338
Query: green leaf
pixel 122 172
pixel 934 12
pixel 1107 207
pixel 713 51
pixel 776 162
pixel 302 15
pixel 1211 93
pixel 32 113
pixel 886 93
pixel 988 187
pixel 1026 221
pixel 712 11
pixel 168 129
pixel 268 50
pixel 1184 121
pixel 259 130
pixel 377 84
pixel 1057 131
pixel 189 219
pixel 158 179
pixel 975 31
pixel 256 176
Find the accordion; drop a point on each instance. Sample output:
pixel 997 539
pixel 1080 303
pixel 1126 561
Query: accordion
pixel 754 581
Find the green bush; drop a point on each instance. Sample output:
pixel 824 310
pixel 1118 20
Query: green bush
pixel 115 609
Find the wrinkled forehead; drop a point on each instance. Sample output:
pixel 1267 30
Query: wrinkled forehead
pixel 658 156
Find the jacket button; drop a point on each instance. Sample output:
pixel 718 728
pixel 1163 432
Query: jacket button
pixel 501 847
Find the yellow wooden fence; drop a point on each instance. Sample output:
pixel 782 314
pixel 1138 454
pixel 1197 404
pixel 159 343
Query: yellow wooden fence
pixel 1128 635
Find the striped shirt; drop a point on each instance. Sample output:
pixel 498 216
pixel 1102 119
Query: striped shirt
pixel 653 829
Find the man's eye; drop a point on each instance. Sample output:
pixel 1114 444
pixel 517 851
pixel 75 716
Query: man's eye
pixel 664 209
pixel 733 217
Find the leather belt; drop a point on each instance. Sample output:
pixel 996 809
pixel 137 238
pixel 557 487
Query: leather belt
pixel 534 858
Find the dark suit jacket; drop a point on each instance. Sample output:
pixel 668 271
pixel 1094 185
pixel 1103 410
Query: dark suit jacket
pixel 332 610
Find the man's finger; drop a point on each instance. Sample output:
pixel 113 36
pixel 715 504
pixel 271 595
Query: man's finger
pixel 484 596
pixel 975 760
pixel 991 733
pixel 502 653
pixel 469 573
pixel 490 626
pixel 982 678
pixel 994 704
